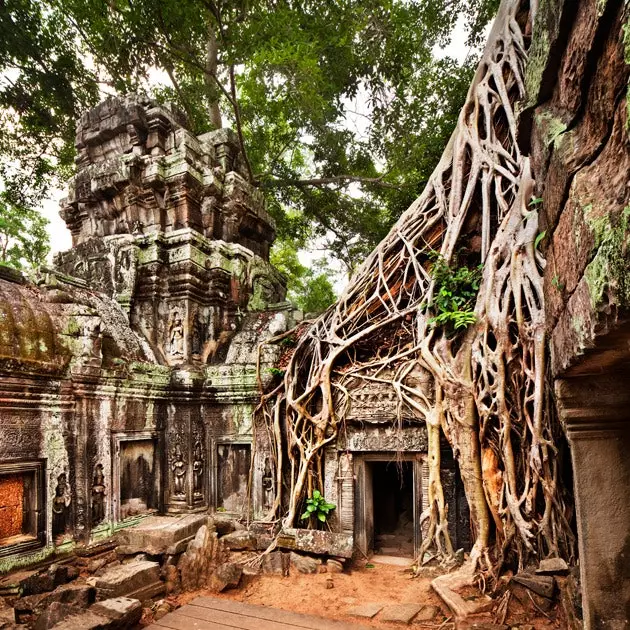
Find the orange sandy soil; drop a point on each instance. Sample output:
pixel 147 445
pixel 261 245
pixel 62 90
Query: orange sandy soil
pixel 383 584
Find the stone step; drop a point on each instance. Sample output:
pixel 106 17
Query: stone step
pixel 112 614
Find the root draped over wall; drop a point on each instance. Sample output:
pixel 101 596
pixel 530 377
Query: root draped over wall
pixel 483 388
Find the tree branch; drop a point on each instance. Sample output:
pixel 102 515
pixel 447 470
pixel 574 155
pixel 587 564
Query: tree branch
pixel 337 179
pixel 239 126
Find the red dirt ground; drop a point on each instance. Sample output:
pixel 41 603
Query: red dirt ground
pixel 382 584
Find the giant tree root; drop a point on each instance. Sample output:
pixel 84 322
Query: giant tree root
pixel 484 388
pixel 447 586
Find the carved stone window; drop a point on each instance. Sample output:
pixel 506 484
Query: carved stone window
pixel 22 507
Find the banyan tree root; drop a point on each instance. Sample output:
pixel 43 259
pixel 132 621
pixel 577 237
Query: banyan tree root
pixel 483 388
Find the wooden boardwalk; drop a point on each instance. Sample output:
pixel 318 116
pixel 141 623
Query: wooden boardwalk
pixel 210 613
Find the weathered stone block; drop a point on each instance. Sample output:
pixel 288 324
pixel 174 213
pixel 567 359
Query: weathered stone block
pixel 400 613
pixel 80 595
pixel 227 575
pixel 542 585
pixel 365 611
pixel 127 578
pixel 553 565
pixel 124 612
pixel 204 553
pixel 304 564
pixel 158 535
pixel 317 542
pixel 54 614
pixel 276 563
pixel 239 540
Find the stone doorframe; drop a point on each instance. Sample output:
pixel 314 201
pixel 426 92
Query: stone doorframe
pixel 33 473
pixel 363 500
pixel 595 410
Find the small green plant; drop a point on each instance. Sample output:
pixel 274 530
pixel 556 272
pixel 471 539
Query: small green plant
pixel 539 238
pixel 274 371
pixel 318 507
pixel 289 342
pixel 454 294
pixel 555 281
pixel 535 201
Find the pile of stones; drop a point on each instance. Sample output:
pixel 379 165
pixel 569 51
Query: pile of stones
pixel 107 585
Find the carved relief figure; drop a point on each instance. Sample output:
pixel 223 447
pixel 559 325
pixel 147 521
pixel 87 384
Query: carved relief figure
pixel 263 293
pixel 198 470
pixel 176 336
pixel 91 341
pixel 179 472
pixel 60 508
pixel 98 495
pixel 267 485
pixel 125 271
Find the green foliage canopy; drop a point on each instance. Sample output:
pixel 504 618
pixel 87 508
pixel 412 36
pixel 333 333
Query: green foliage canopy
pixel 342 107
pixel 23 235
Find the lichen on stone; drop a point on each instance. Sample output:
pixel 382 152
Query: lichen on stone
pixel 606 274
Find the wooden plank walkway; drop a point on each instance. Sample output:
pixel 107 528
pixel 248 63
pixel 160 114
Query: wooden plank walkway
pixel 209 613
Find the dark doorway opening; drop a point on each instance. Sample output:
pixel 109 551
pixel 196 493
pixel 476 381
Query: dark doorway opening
pixel 393 501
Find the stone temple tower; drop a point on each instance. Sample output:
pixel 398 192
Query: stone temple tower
pixel 128 371
pixel 166 223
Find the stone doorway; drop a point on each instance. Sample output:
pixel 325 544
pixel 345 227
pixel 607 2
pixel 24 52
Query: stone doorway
pixel 389 499
pixel 392 495
pixel 232 462
pixel 136 474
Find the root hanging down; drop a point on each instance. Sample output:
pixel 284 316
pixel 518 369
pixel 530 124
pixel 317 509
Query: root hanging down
pixel 483 388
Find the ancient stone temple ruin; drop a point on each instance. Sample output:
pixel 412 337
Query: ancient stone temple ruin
pixel 128 372
pixel 129 369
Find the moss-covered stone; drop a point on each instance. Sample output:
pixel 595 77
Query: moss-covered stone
pixel 607 274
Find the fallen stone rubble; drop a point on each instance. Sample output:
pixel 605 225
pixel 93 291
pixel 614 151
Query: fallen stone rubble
pixel 113 583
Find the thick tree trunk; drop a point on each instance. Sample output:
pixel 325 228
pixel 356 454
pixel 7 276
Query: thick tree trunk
pixel 212 57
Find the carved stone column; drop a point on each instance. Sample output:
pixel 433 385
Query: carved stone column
pixel 187 464
pixel 596 413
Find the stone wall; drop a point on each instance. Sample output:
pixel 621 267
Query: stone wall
pixel 575 125
pixel 126 367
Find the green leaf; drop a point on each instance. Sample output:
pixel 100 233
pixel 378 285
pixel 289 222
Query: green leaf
pixel 305 516
pixel 311 508
pixel 539 238
pixel 316 494
pixel 321 517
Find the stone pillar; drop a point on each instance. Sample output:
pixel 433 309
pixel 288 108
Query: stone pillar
pixel 596 414
pixel 187 465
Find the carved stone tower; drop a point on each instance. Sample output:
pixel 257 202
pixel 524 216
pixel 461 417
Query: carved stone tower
pixel 166 223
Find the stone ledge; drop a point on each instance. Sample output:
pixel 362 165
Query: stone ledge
pixel 159 535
